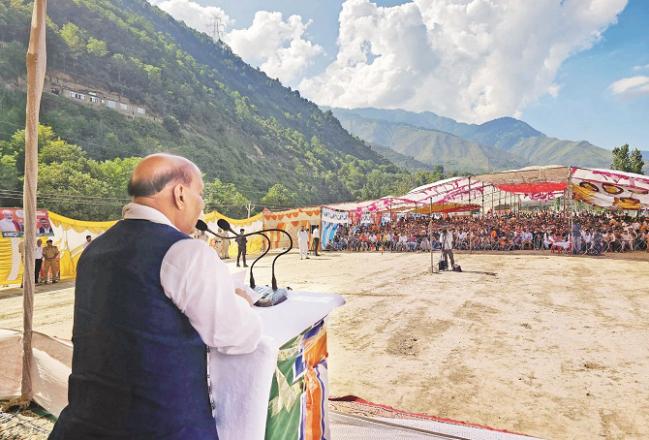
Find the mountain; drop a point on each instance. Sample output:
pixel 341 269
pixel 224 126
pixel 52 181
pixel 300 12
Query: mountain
pixel 432 147
pixel 193 97
pixel 401 160
pixel 522 144
pixel 546 151
pixel 502 133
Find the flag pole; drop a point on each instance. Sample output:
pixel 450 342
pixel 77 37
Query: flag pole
pixel 36 64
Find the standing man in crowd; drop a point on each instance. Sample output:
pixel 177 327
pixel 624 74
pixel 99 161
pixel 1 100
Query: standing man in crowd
pixel 88 241
pixel 149 300
pixel 38 257
pixel 242 242
pixel 51 263
pixel 576 238
pixel 303 243
pixel 315 236
pixel 446 239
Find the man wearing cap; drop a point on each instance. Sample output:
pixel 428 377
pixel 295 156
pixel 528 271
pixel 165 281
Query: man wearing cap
pixel 149 300
pixel 50 262
pixel 242 243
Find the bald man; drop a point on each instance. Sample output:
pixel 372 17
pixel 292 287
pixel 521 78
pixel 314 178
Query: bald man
pixel 148 302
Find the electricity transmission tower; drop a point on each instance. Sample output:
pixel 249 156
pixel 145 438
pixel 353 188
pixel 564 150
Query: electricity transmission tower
pixel 217 28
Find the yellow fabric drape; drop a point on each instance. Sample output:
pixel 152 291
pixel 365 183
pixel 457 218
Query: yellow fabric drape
pixel 70 237
pixel 256 243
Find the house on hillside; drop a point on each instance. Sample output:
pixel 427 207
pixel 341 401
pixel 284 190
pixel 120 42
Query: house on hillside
pixel 97 98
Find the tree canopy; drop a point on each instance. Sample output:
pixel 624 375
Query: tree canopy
pixel 625 161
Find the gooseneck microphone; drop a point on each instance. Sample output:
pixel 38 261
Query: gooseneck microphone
pixel 225 225
pixel 269 297
pixel 202 226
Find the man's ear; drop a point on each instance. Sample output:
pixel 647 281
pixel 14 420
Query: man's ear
pixel 178 196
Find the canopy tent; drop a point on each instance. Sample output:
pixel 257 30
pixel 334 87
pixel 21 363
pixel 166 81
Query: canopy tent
pixel 290 221
pixel 493 191
pixel 610 189
pixel 69 235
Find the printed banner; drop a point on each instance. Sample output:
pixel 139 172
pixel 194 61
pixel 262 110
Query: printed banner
pixel 328 233
pixel 610 189
pixel 337 217
pixel 297 409
pixel 12 223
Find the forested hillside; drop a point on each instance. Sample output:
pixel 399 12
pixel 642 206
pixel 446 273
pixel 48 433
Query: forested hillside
pixel 201 100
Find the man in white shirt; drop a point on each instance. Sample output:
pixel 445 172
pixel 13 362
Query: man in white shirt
pixel 446 238
pixel 303 243
pixel 38 257
pixel 149 300
pixel 315 236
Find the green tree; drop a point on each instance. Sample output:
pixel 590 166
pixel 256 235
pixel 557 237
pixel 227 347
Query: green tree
pixel 279 196
pixel 377 185
pixel 621 160
pixel 225 198
pixel 12 60
pixel 171 124
pixel 636 163
pixel 9 181
pixel 115 173
pixel 97 47
pixel 69 182
pixel 74 38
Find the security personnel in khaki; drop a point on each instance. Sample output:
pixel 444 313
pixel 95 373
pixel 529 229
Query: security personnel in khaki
pixel 51 262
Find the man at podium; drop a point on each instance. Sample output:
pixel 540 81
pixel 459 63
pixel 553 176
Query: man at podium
pixel 148 302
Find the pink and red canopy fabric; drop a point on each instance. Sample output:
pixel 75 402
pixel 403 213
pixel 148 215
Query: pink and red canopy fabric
pixel 533 188
pixel 604 188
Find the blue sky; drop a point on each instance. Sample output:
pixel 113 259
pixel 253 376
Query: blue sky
pixel 573 69
pixel 585 107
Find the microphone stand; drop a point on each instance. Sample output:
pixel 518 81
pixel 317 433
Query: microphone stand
pixel 276 295
pixel 252 266
pixel 290 239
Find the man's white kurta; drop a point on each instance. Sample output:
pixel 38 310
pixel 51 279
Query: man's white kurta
pixel 303 243
pixel 200 285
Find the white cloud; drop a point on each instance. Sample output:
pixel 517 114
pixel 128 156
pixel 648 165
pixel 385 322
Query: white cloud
pixel 630 87
pixel 639 68
pixel 469 59
pixel 276 45
pixel 201 18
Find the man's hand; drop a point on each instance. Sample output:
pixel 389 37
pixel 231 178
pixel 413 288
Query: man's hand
pixel 243 294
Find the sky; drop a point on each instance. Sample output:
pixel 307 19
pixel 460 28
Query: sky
pixel 573 69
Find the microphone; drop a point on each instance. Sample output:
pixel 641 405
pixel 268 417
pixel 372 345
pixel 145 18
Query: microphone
pixel 225 225
pixel 271 296
pixel 202 226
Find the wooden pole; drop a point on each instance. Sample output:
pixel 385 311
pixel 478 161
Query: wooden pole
pixel 492 202
pixel 482 207
pixel 36 65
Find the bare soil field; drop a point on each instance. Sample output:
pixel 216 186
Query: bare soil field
pixel 551 346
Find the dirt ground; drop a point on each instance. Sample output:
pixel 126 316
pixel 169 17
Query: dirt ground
pixel 551 346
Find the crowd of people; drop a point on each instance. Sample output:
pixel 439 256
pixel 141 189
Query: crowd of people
pixel 580 233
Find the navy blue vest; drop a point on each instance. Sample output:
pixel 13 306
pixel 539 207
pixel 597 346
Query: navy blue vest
pixel 139 367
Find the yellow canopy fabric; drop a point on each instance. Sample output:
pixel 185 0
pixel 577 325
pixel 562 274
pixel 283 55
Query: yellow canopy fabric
pixel 70 237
